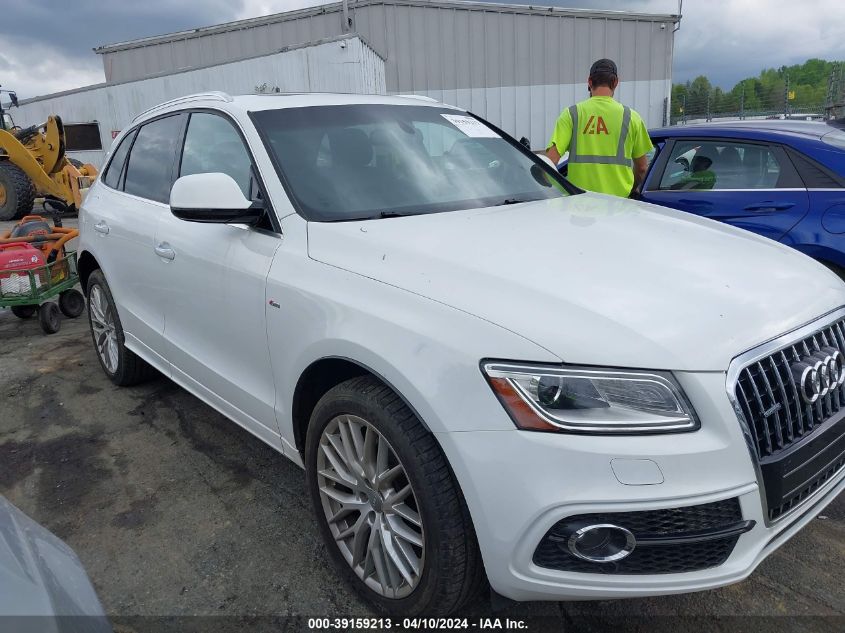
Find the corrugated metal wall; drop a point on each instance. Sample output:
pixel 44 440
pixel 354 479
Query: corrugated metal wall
pixel 518 66
pixel 344 64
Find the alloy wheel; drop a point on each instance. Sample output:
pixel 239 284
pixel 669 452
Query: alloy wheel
pixel 370 506
pixel 102 324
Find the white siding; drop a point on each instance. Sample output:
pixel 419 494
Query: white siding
pixel 342 65
pixel 515 65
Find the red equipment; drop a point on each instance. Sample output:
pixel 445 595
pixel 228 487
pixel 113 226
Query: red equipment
pixel 15 258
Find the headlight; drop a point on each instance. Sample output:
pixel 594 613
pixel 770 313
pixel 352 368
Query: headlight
pixel 590 400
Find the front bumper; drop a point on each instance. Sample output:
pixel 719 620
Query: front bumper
pixel 518 484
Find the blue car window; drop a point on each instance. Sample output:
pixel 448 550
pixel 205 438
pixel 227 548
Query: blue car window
pixel 720 165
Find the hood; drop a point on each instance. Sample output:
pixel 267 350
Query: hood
pixel 595 279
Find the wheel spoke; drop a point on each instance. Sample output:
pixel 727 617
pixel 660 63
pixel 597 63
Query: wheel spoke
pixel 348 446
pixel 398 496
pixel 407 513
pixel 401 530
pixel 382 455
pixel 345 510
pixel 333 475
pixel 336 461
pixel 387 476
pixel 368 453
pixel 359 543
pixel 112 348
pixel 344 498
pixel 396 560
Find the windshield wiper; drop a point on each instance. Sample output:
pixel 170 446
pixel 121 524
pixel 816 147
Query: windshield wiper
pixel 513 201
pixel 397 214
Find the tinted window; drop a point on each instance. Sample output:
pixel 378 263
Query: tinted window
pixel 696 164
pixel 115 167
pixel 150 169
pixel 81 137
pixel 370 161
pixel 212 144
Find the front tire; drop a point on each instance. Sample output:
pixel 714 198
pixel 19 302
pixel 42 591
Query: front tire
pixel 390 511
pixel 123 367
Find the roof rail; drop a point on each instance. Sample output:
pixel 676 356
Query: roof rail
pixel 420 97
pixel 214 95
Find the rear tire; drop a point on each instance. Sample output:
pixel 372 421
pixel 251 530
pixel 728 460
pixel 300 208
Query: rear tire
pixel 446 572
pixel 123 367
pixel 50 318
pixel 24 312
pixel 71 303
pixel 17 193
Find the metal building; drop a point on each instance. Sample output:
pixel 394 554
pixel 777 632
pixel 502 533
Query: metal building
pixel 517 66
pixel 514 65
pixel 343 64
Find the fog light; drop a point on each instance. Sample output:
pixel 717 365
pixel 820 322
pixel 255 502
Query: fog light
pixel 601 543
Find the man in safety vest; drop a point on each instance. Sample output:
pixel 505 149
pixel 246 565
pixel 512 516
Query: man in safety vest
pixel 607 142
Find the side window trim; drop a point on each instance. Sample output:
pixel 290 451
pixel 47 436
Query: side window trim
pixel 256 175
pixel 655 174
pixel 130 138
pixel 121 179
pixel 789 178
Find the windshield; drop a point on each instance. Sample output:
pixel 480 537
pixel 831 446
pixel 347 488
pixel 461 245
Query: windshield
pixel 353 162
pixel 8 124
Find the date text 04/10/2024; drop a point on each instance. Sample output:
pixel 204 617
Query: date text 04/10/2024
pixel 347 624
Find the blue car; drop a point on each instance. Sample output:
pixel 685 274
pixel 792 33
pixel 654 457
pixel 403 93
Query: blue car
pixel 781 179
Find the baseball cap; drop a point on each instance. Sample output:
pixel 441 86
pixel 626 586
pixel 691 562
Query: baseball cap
pixel 603 66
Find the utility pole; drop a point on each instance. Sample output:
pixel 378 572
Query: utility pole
pixel 684 110
pixel 742 104
pixel 707 114
pixel 833 92
pixel 786 98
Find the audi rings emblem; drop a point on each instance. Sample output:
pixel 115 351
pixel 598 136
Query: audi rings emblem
pixel 819 374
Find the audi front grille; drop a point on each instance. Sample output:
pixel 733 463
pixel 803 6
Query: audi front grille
pixel 793 403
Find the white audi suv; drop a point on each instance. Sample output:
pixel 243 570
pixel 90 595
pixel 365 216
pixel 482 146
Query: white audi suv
pixel 484 371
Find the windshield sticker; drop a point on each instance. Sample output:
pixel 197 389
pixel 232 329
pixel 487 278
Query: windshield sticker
pixel 469 126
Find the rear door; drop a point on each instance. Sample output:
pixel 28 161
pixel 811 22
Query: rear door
pixel 124 214
pixel 750 185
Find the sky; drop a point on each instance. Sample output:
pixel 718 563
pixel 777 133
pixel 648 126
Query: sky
pixel 46 45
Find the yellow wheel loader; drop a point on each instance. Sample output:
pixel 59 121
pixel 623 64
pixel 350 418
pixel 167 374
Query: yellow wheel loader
pixel 33 164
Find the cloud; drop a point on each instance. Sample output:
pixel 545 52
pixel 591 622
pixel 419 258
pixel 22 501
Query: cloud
pixel 729 40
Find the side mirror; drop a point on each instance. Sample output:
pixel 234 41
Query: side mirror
pixel 212 198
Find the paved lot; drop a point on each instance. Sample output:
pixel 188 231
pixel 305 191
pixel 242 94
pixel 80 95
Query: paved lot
pixel 175 511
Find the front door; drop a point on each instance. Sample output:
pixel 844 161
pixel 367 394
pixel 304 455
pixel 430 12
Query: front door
pixel 750 185
pixel 215 277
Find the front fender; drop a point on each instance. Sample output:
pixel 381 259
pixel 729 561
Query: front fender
pixel 427 351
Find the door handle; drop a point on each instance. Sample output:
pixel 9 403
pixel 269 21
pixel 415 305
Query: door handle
pixel 770 205
pixel 163 249
pixel 101 227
